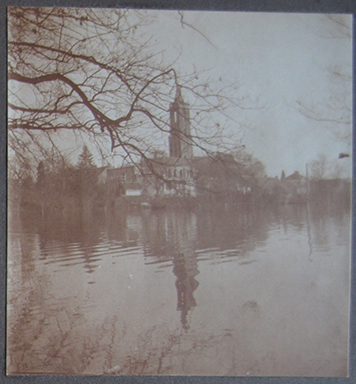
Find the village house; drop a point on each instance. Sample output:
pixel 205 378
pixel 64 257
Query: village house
pixel 169 177
pixel 221 177
pixel 124 181
pixel 295 187
pixel 289 190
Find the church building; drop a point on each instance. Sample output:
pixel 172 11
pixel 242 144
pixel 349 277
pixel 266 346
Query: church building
pixel 180 145
pixel 176 169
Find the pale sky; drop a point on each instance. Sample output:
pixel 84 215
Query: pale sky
pixel 280 60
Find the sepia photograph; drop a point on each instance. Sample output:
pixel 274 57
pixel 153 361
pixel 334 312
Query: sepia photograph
pixel 179 192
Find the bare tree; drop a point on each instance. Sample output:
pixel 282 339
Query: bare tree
pixel 337 170
pixel 335 113
pixel 90 73
pixel 319 167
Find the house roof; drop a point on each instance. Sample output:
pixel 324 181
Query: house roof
pixel 294 176
pixel 95 171
pixel 169 161
pixel 133 185
pixel 121 170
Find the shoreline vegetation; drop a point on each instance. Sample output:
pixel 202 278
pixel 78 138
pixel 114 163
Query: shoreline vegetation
pixel 37 199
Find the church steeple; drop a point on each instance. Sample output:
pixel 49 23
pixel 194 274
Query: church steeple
pixel 180 137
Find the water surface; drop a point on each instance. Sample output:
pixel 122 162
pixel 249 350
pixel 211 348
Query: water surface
pixel 214 291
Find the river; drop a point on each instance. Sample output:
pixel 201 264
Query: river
pixel 213 291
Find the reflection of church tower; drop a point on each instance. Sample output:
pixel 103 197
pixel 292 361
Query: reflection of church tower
pixel 185 268
pixel 179 140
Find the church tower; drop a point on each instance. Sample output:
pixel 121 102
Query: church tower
pixel 180 137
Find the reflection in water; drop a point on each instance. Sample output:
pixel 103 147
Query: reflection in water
pixel 212 292
pixel 171 236
pixel 185 268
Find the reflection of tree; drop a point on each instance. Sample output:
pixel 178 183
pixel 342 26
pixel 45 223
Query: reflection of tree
pixel 51 344
pixel 293 214
pixel 233 228
pixel 88 233
pixel 80 227
pixel 160 350
pixel 116 224
pixel 323 212
pixel 154 234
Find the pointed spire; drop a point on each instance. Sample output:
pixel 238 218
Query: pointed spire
pixel 178 94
